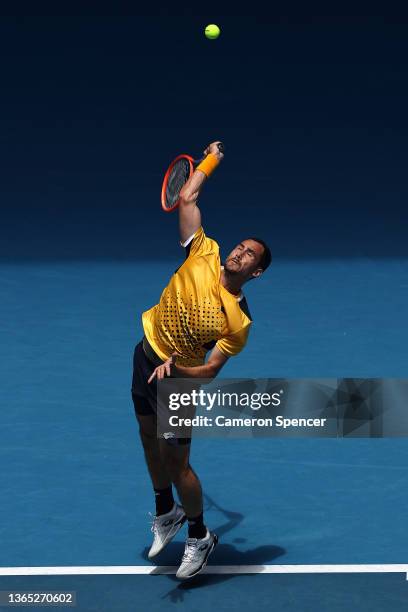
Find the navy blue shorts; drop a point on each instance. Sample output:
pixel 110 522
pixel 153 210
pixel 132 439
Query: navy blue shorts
pixel 144 395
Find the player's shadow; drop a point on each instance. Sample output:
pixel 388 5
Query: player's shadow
pixel 224 554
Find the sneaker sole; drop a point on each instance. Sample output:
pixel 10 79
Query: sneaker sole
pixel 176 528
pixel 204 563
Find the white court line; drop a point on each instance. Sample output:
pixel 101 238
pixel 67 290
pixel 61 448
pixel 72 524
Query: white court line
pixel 210 569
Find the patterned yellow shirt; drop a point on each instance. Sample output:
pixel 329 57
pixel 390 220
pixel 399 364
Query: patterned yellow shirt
pixel 195 311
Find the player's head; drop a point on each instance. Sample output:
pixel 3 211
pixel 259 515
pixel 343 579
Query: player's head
pixel 249 259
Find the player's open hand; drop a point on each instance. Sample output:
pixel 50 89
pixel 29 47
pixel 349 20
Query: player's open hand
pixel 213 148
pixel 165 369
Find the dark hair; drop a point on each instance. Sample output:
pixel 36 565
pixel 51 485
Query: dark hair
pixel 266 256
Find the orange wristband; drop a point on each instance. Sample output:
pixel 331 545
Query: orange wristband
pixel 208 165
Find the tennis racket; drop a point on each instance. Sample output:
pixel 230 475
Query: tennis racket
pixel 176 177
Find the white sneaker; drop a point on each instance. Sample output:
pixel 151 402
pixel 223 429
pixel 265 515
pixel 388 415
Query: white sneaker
pixel 196 555
pixel 165 527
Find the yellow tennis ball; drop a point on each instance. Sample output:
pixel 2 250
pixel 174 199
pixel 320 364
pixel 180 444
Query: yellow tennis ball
pixel 212 31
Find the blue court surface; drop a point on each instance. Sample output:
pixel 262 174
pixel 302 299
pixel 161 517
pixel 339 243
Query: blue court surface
pixel 74 487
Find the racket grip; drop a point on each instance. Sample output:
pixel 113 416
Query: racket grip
pixel 198 161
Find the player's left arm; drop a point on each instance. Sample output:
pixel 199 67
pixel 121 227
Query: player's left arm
pixel 189 213
pixel 215 362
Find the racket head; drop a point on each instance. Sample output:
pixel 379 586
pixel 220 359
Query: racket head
pixel 177 174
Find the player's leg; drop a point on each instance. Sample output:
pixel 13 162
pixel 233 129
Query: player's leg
pixel 200 542
pixel 176 456
pixel 144 406
pixel 169 515
pixel 148 436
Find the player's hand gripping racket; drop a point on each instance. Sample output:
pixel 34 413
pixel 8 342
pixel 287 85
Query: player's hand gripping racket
pixel 176 177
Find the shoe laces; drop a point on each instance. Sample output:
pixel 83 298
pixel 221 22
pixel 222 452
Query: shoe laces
pixel 153 523
pixel 191 546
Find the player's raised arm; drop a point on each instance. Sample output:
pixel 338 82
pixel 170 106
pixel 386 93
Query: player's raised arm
pixel 189 213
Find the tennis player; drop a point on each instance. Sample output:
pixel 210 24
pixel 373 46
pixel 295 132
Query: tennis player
pixel 202 309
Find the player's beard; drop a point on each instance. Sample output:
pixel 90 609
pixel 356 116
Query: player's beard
pixel 234 269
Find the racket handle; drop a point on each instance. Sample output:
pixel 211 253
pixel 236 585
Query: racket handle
pixel 198 161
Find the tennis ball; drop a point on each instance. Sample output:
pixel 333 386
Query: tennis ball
pixel 212 31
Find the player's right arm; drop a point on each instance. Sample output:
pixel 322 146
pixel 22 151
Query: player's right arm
pixel 208 370
pixel 189 213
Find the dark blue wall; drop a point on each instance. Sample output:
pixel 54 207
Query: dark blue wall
pixel 312 111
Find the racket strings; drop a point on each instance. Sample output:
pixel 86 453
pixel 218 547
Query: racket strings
pixel 178 176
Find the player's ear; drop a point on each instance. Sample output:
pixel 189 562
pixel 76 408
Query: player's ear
pixel 257 273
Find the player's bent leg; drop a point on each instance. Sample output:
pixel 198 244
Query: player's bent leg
pixel 148 435
pixel 176 458
pixel 169 516
pixel 200 542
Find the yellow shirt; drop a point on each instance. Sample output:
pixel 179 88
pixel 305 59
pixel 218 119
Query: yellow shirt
pixel 195 311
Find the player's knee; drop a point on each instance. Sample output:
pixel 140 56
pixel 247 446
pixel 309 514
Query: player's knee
pixel 179 475
pixel 148 438
pixel 177 470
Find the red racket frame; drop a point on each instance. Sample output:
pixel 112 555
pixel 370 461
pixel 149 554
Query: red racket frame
pixel 166 179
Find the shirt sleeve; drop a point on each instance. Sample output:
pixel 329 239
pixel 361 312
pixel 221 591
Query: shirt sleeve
pixel 199 244
pixel 234 343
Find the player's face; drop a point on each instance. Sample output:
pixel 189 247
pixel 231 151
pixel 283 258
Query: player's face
pixel 244 259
